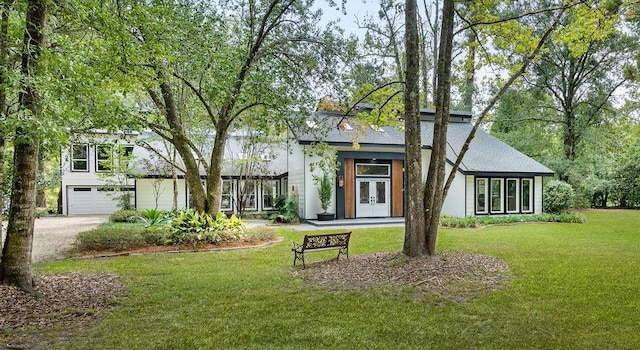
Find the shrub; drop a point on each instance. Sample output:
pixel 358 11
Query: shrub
pixel 154 217
pixel 475 221
pixel 195 228
pixel 124 216
pixel 260 233
pixel 119 237
pixel 558 197
pixel 288 213
pixel 325 191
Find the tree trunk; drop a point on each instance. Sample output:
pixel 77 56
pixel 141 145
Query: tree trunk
pixel 433 195
pixel 414 244
pixel 16 259
pixel 470 72
pixel 4 55
pixel 181 144
pixel 214 177
pixel 41 196
pixel 16 254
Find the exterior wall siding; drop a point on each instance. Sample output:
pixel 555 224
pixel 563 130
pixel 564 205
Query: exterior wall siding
pixel 454 203
pixel 311 198
pixel 89 178
pixel 537 199
pixel 296 164
pixel 470 199
pixel 146 196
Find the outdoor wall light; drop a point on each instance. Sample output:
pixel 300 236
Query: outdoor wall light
pixel 340 181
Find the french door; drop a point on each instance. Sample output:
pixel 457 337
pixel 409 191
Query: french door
pixel 372 198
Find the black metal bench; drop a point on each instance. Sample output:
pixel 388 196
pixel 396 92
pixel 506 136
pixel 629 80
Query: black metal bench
pixel 339 241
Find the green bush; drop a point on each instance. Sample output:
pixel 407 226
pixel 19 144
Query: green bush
pixel 124 216
pixel 288 212
pixel 154 217
pixel 119 238
pixel 475 221
pixel 260 233
pixel 195 228
pixel 558 197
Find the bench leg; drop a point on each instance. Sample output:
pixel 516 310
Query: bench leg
pixel 343 251
pixel 298 256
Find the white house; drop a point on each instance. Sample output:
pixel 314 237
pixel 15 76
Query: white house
pixel 87 187
pixel 493 179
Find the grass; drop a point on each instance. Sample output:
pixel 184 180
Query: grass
pixel 574 286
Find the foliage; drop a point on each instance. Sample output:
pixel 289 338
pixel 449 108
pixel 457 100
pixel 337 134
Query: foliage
pixel 155 217
pixel 260 233
pixel 325 192
pixel 558 197
pixel 119 237
pixel 288 212
pixel 475 221
pixel 125 216
pixel 191 227
pixel 280 202
pixel 207 67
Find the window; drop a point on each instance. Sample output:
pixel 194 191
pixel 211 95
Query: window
pixel 481 196
pixel 125 154
pixel 80 157
pixel 512 195
pixel 269 194
pixel 372 169
pixel 527 195
pixel 247 195
pixel 104 157
pixel 496 196
pixel 225 203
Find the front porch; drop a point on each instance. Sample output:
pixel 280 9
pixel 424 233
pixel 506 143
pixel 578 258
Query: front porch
pixel 357 222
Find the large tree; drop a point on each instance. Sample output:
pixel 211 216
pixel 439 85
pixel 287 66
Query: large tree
pixel 233 58
pixel 582 81
pixel 529 48
pixel 16 257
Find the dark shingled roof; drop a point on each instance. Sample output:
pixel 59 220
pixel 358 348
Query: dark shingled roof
pixel 486 154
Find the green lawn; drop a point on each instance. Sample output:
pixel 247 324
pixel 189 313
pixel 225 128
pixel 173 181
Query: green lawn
pixel 574 286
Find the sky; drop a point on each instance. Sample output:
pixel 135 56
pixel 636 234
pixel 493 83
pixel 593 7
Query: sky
pixel 355 9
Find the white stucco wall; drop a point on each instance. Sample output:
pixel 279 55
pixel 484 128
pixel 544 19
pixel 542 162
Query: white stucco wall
pixel 146 197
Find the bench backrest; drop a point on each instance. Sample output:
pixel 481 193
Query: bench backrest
pixel 330 240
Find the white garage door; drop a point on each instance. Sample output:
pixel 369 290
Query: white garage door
pixel 82 200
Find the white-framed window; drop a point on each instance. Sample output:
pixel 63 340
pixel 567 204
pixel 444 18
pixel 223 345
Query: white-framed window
pixel 226 198
pixel 373 170
pixel 497 204
pixel 247 195
pixel 513 195
pixel 269 194
pixel 482 194
pixel 80 157
pixel 527 195
pixel 125 154
pixel 104 157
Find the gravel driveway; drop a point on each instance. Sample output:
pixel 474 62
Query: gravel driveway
pixel 54 235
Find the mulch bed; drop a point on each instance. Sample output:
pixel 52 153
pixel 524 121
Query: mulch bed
pixel 68 303
pixel 455 277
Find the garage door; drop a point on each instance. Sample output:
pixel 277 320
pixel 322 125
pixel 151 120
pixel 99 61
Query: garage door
pixel 82 200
